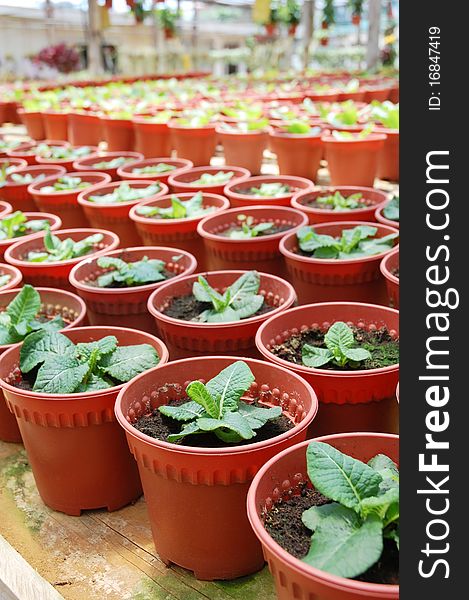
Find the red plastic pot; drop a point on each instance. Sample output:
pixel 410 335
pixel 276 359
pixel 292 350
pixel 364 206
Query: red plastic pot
pixel 244 149
pixel 189 338
pixel 327 280
pixel 115 216
pixel 64 162
pixel 180 233
pixel 358 96
pixel 24 151
pixel 84 129
pixel 5 209
pixel 76 449
pixel 388 159
pixel 54 274
pixel 261 251
pixel 196 497
pixel 151 139
pixel 284 472
pixel 353 161
pixel 34 123
pixel 17 193
pixel 65 203
pixel 55 125
pixel 87 164
pixel 181 164
pixel 233 190
pixel 54 223
pixel 71 308
pixel 15 276
pixel 184 182
pixel 197 144
pixel 297 154
pixel 17 163
pixel 379 216
pixel 349 400
pixel 374 197
pixel 118 134
pixel 387 266
pixel 106 305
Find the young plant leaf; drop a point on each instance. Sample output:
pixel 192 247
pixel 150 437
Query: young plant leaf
pixel 24 306
pixel 42 345
pixel 126 362
pixel 229 386
pixel 60 375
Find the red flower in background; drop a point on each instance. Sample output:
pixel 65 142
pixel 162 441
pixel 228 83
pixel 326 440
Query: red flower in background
pixel 61 57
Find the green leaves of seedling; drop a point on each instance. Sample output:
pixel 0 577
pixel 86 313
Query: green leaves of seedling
pixel 16 225
pixel 125 193
pixel 216 407
pixel 56 250
pixel 19 318
pixel 249 229
pixel 268 190
pixel 239 301
pixel 339 349
pixel 66 368
pixel 338 202
pixel 216 179
pixel 348 533
pixel 391 210
pixel 65 183
pixel 128 274
pixel 357 242
pixel 179 209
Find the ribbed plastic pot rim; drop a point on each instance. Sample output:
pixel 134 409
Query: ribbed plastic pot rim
pixel 181 449
pixel 77 283
pixel 383 266
pixel 141 219
pixel 334 261
pixel 164 357
pixel 81 199
pixel 372 590
pixel 314 370
pixel 236 273
pixel 373 137
pixel 296 136
pixel 71 261
pixel 250 209
pixel 36 186
pixel 303 194
pixel 219 129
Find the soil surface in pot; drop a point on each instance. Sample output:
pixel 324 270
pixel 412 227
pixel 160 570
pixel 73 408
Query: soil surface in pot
pixel 158 426
pixel 283 523
pixel 188 308
pixel 383 348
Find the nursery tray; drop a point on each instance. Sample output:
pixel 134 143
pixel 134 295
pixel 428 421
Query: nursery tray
pixel 102 555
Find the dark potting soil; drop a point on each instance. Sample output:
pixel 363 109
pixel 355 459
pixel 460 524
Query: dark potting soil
pixel 158 426
pixel 383 348
pixel 271 231
pixel 395 272
pixel 284 525
pixel 119 285
pixel 188 308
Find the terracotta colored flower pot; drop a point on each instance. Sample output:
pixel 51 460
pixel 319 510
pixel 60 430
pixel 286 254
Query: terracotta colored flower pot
pixel 244 149
pixel 197 144
pixel 106 305
pixel 64 162
pixel 16 163
pixel 297 154
pixel 189 338
pixel 379 93
pixel 353 161
pixel 84 129
pixel 330 96
pixel 181 164
pixel 115 216
pixel 379 216
pixel 328 280
pixel 293 577
pixel 388 159
pixel 196 497
pixel 34 123
pixel 9 112
pixel 54 274
pixel 17 193
pixel 65 203
pixel 102 473
pixel 5 209
pixel 358 96
pixel 389 263
pixel 54 223
pixel 350 400
pixel 118 134
pixel 15 274
pixel 71 308
pixel 25 152
pixel 184 182
pixel 262 251
pixel 55 125
pixel 180 233
pixel 375 199
pixel 87 164
pixel 234 190
pixel 151 139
